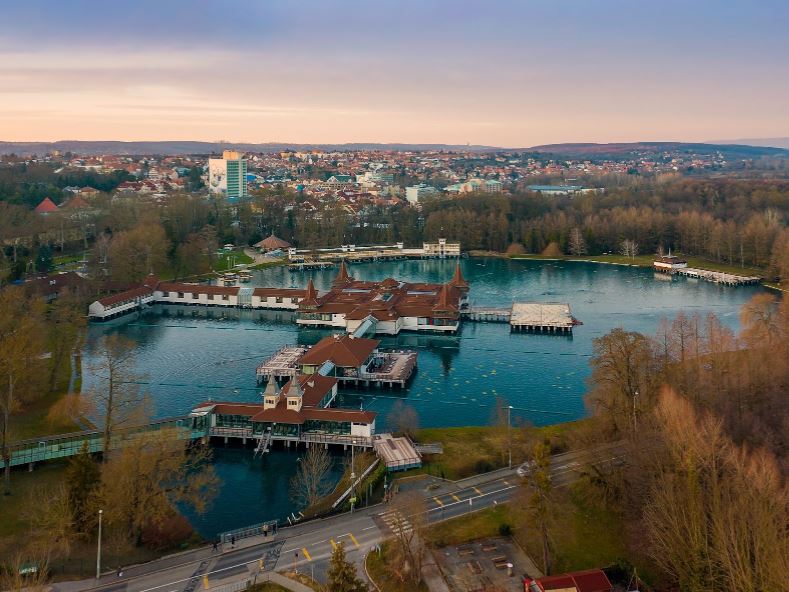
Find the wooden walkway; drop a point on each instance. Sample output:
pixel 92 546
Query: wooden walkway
pixel 282 364
pixel 718 277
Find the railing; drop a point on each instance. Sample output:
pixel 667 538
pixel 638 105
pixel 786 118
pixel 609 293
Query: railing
pixel 355 484
pixel 318 438
pixel 264 528
pixel 70 444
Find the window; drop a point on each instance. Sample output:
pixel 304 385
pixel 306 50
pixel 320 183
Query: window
pixel 180 294
pixel 293 402
pixel 225 297
pixel 210 296
pixel 165 294
pixel 195 296
pixel 279 300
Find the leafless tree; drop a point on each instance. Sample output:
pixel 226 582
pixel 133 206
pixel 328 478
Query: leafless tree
pixel 629 248
pixel 310 482
pixel 576 243
pixel 409 514
pixel 403 419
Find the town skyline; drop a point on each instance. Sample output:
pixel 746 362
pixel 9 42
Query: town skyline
pixel 509 75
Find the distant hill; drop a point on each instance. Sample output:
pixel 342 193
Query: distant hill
pixel 632 149
pixel 192 147
pixel 769 142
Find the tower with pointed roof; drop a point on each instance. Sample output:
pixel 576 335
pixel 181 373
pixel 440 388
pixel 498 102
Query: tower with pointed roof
pixel 458 281
pixel 270 395
pixel 310 299
pixel 343 277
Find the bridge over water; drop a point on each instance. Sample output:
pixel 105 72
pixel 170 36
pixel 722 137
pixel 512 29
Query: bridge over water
pixel 65 445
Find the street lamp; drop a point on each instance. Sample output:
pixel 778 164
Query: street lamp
pixel 353 476
pixel 509 434
pixel 98 550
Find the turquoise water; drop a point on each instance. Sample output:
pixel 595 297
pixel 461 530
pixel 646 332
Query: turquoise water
pixel 190 355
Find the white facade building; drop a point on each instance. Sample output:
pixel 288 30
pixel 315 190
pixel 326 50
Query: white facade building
pixel 417 193
pixel 228 175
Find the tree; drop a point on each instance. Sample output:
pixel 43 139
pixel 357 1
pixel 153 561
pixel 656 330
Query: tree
pixel 621 377
pixel 44 259
pixel 539 502
pixel 117 398
pixel 576 243
pixel 66 324
pixel 135 253
pixel 629 248
pixel 83 477
pixel 310 482
pixel 409 519
pixel 403 419
pixel 147 476
pixel 342 575
pixel 21 349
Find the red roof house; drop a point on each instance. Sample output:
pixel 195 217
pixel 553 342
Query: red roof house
pixel 590 580
pixel 47 206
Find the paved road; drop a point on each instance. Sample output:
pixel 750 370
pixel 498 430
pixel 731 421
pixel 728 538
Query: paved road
pixel 307 547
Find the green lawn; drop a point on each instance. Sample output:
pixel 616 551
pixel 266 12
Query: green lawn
pixel 227 260
pixel 472 450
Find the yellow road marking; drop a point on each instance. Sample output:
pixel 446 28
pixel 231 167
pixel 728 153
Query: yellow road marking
pixel 333 544
pixel 456 498
pixel 306 553
pixel 438 501
pixel 353 538
pixel 477 490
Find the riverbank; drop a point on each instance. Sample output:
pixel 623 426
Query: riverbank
pixel 637 261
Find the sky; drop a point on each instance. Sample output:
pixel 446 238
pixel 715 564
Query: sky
pixel 510 73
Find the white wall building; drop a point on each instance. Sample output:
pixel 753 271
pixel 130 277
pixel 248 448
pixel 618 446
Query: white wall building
pixel 228 175
pixel 417 193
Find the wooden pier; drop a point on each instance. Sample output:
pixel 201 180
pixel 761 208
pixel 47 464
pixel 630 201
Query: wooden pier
pixel 534 317
pixel 306 265
pixel 537 317
pixel 391 368
pixel 718 277
pixel 282 364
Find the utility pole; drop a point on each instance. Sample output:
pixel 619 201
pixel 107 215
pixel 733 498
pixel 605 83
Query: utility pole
pixel 509 433
pixel 353 476
pixel 98 550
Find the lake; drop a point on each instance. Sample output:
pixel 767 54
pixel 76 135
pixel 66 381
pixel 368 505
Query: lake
pixel 191 354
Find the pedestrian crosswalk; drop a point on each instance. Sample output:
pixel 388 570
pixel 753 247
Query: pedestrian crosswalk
pixel 397 523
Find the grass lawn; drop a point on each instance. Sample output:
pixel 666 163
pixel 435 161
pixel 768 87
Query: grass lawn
pixel 227 260
pixel 33 421
pixel 479 525
pixel 383 571
pixel 477 449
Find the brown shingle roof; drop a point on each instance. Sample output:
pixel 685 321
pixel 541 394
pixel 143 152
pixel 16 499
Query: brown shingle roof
pixel 345 351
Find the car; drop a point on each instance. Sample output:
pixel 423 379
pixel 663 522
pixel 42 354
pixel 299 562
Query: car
pixel 525 469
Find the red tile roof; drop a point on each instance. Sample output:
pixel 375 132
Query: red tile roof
pixel 590 580
pixel 132 294
pixel 197 288
pixel 345 351
pixel 46 206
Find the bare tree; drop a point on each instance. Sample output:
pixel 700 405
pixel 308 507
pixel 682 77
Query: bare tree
pixel 629 248
pixel 409 515
pixel 539 502
pixel 403 419
pixel 576 243
pixel 22 342
pixel 310 482
pixel 117 397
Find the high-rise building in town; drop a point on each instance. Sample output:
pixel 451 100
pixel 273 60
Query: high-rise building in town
pixel 228 175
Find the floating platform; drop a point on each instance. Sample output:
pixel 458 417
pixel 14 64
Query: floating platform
pixel 536 317
pixel 310 265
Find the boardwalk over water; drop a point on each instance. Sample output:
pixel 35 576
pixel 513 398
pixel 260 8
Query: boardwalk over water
pixel 535 317
pixel 718 277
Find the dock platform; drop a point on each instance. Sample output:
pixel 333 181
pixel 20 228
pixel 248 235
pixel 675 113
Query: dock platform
pixel 718 277
pixel 537 317
pixel 389 368
pixel 398 454
pixel 282 364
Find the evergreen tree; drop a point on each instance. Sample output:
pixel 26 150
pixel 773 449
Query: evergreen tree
pixel 342 574
pixel 82 476
pixel 44 259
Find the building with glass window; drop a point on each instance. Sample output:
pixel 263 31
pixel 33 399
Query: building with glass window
pixel 227 176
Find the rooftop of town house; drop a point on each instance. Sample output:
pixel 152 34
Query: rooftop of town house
pixel 46 206
pixel 590 580
pixel 345 351
pixel 279 292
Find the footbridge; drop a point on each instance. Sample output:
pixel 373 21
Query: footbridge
pixel 65 445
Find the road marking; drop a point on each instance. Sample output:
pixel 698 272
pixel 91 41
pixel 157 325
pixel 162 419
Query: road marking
pixel 333 544
pixel 456 498
pixel 477 490
pixel 369 527
pixel 438 501
pixel 306 553
pixel 505 482
pixel 353 538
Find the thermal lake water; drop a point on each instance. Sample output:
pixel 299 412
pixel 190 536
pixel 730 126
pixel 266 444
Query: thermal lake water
pixel 191 354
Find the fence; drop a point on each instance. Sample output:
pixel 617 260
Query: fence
pixel 264 528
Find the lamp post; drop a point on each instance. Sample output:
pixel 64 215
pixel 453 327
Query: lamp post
pixel 98 549
pixel 509 434
pixel 353 476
